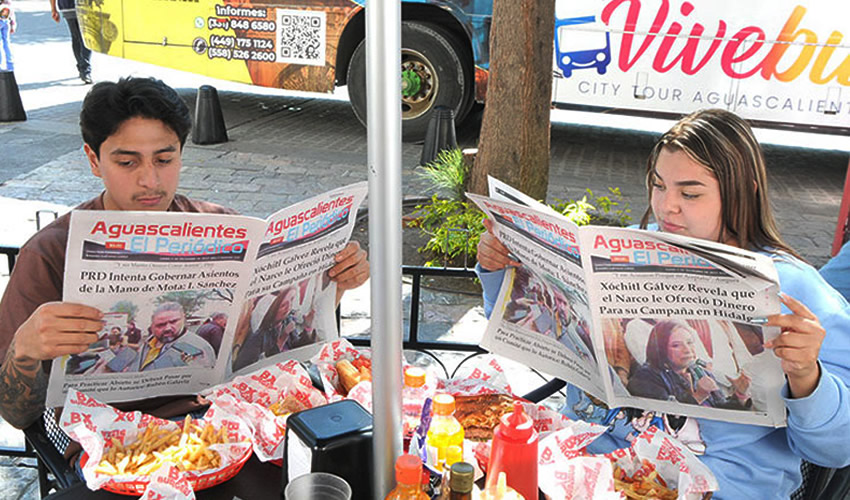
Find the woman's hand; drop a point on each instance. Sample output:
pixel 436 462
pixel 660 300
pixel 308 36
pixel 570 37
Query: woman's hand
pixel 705 386
pixel 797 346
pixel 492 254
pixel 741 384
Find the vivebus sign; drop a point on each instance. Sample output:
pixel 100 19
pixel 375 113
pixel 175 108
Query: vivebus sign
pixel 771 60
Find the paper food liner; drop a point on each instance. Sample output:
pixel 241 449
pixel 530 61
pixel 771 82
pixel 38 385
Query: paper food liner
pixel 93 424
pixel 574 437
pixel 487 377
pixel 565 472
pixel 250 396
pixel 168 483
pixel 325 361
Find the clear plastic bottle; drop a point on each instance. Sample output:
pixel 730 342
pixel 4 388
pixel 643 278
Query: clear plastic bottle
pixel 412 396
pixel 408 476
pixel 445 431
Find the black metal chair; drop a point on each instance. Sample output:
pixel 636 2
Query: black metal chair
pixel 50 443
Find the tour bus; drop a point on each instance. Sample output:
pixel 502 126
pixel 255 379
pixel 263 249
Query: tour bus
pixel 778 62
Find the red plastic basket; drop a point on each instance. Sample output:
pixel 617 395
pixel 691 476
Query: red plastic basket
pixel 198 480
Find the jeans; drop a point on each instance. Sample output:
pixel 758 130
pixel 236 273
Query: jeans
pixel 6 63
pixel 81 53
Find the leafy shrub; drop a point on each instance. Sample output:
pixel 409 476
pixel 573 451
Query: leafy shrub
pixel 449 172
pixel 454 225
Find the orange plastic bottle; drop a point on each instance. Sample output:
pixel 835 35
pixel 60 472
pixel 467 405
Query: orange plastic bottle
pixel 408 475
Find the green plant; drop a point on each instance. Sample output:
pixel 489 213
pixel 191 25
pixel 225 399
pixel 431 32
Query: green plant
pixel 449 172
pixel 126 306
pixel 454 228
pixel 608 210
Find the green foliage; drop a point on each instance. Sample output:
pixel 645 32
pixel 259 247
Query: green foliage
pixel 454 225
pixel 454 228
pixel 607 210
pixel 192 301
pixel 125 306
pixel 448 173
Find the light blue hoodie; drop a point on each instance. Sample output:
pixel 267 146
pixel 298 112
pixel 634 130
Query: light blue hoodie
pixel 754 462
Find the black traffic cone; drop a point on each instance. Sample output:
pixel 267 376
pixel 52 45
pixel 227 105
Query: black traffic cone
pixel 209 122
pixel 11 107
pixel 440 134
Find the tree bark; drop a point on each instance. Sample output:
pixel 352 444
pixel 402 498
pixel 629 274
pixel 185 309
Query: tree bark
pixel 514 141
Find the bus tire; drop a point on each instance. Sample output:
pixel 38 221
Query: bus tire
pixel 442 73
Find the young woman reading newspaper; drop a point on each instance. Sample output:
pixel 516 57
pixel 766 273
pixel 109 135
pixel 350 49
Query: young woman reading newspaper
pixel 706 178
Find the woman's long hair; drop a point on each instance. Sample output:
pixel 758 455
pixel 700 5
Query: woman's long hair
pixel 724 143
pixel 659 338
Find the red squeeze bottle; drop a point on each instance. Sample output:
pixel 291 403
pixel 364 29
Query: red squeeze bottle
pixel 514 452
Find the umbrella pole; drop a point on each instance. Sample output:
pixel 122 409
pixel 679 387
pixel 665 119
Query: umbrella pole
pixel 383 115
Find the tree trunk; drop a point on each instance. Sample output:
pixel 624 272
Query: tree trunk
pixel 514 140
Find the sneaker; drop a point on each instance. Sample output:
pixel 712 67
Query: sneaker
pixel 86 78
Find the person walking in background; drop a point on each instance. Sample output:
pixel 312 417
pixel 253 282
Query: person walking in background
pixel 81 53
pixel 7 27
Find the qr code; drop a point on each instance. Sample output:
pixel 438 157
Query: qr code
pixel 301 37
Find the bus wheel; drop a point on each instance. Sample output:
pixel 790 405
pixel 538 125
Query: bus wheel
pixel 435 71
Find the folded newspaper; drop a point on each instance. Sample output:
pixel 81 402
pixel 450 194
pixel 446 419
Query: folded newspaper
pixel 191 299
pixel 636 318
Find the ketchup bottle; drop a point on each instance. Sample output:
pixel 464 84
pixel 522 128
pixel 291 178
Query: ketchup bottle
pixel 514 452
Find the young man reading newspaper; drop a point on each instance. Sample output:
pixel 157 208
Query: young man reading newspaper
pixel 134 131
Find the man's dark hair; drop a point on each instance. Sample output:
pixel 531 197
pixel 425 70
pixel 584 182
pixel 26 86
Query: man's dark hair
pixel 109 104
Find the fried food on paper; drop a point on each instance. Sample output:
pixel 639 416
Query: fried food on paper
pixel 187 448
pixel 650 486
pixel 480 414
pixel 287 405
pixel 352 373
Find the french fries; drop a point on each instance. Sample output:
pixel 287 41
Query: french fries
pixel 649 487
pixel 187 448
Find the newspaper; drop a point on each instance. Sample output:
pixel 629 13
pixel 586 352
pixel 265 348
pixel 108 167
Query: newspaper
pixel 636 318
pixel 190 299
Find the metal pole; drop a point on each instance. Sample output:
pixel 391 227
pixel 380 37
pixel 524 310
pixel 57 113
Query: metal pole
pixel 383 112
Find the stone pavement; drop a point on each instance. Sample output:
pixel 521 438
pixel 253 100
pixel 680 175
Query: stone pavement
pixel 283 149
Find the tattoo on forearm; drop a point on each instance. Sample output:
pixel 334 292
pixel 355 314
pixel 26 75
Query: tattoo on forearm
pixel 23 387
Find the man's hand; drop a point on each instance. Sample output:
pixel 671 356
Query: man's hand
pixel 797 346
pixel 56 329
pixel 492 254
pixel 351 269
pixel 54 12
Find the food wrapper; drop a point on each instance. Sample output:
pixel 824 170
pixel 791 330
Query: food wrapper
pixel 93 424
pixel 487 377
pixel 251 395
pixel 325 360
pixel 168 483
pixel 573 436
pixel 566 472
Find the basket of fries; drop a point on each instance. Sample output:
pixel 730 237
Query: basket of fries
pixel 125 452
pixel 191 449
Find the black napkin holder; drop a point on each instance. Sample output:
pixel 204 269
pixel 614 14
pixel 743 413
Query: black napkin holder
pixel 335 438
